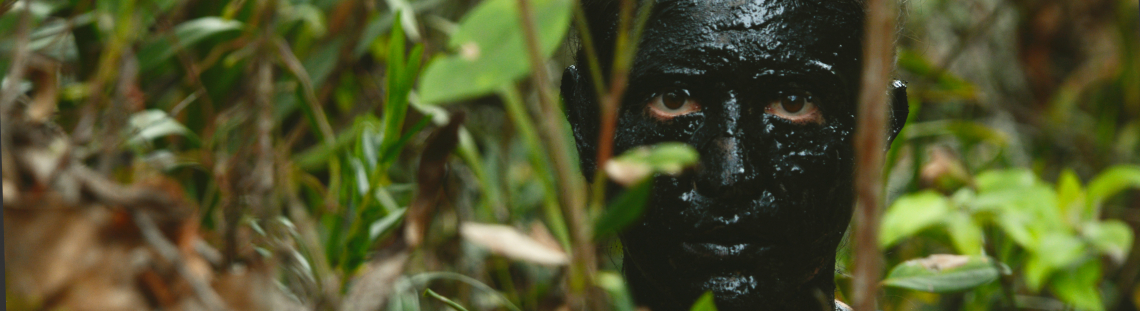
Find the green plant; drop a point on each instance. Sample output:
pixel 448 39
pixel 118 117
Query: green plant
pixel 1054 235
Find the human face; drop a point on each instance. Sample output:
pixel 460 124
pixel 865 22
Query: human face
pixel 765 92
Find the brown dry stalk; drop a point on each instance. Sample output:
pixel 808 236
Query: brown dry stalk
pixel 870 141
pixel 572 189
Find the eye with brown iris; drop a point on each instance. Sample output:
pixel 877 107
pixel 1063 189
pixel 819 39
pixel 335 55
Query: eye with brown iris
pixel 798 107
pixel 671 104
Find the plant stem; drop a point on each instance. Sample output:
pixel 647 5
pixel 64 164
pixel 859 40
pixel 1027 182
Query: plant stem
pixel 870 136
pixel 572 192
pixel 519 117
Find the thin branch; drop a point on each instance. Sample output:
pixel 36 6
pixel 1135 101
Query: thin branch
pixel 870 142
pixel 170 252
pixel 572 188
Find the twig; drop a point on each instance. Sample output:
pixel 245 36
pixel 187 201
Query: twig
pixel 136 200
pixel 572 187
pixel 169 252
pixel 870 141
pixel 625 51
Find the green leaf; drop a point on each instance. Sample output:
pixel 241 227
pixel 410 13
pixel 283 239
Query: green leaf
pixel 1060 249
pixel 490 50
pixel 615 285
pixel 1069 197
pixel 185 34
pixel 454 305
pixel 640 163
pixel 1016 226
pixel 1111 237
pixel 1005 180
pixel 965 233
pixel 704 303
pixel 1109 183
pixel 402 71
pixel 625 209
pixel 943 273
pixel 1055 250
pixel 1078 287
pixel 910 214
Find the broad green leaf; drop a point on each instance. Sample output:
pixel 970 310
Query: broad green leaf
pixel 912 213
pixel 490 50
pixel 625 209
pixel 1069 197
pixel 1060 249
pixel 1111 237
pixel 185 34
pixel 943 273
pixel 1036 272
pixel 1025 213
pixel 640 163
pixel 1078 287
pixel 1005 179
pixel 1016 226
pixel 705 303
pixel 965 233
pixel 1109 183
pixel 1055 250
pixel 614 285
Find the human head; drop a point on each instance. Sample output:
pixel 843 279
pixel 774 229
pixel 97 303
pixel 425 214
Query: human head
pixel 765 91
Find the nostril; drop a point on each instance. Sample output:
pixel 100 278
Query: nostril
pixel 722 167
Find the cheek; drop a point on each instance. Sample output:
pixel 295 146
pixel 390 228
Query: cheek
pixel 636 128
pixel 812 157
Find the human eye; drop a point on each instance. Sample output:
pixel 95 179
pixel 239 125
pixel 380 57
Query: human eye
pixel 796 106
pixel 671 104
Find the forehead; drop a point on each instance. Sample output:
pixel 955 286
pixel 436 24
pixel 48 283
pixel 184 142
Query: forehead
pixel 752 36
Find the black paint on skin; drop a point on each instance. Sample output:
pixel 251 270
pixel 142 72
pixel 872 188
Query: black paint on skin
pixel 759 220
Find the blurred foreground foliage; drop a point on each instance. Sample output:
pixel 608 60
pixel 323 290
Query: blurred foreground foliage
pixel 355 154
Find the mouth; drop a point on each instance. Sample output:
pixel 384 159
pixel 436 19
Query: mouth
pixel 725 251
pixel 714 250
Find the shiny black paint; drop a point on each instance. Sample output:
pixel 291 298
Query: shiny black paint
pixel 759 220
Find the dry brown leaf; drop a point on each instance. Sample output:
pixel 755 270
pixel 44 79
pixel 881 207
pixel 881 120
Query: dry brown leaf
pixel 509 242
pixel 540 234
pixel 373 287
pixel 430 178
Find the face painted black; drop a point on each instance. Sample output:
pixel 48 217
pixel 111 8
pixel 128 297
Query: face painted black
pixel 765 90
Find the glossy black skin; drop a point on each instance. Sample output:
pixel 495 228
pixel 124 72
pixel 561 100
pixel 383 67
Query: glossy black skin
pixel 773 195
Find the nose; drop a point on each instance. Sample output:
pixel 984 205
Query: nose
pixel 726 170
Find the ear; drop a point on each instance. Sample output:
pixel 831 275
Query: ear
pixel 582 112
pixel 900 110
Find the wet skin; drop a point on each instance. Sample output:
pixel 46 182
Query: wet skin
pixel 765 91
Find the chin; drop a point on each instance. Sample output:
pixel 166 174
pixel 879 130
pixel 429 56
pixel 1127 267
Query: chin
pixel 765 258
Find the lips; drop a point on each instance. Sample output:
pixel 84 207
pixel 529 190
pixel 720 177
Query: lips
pixel 726 246
pixel 724 251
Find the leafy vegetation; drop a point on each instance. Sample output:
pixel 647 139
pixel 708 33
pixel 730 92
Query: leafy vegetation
pixel 409 155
